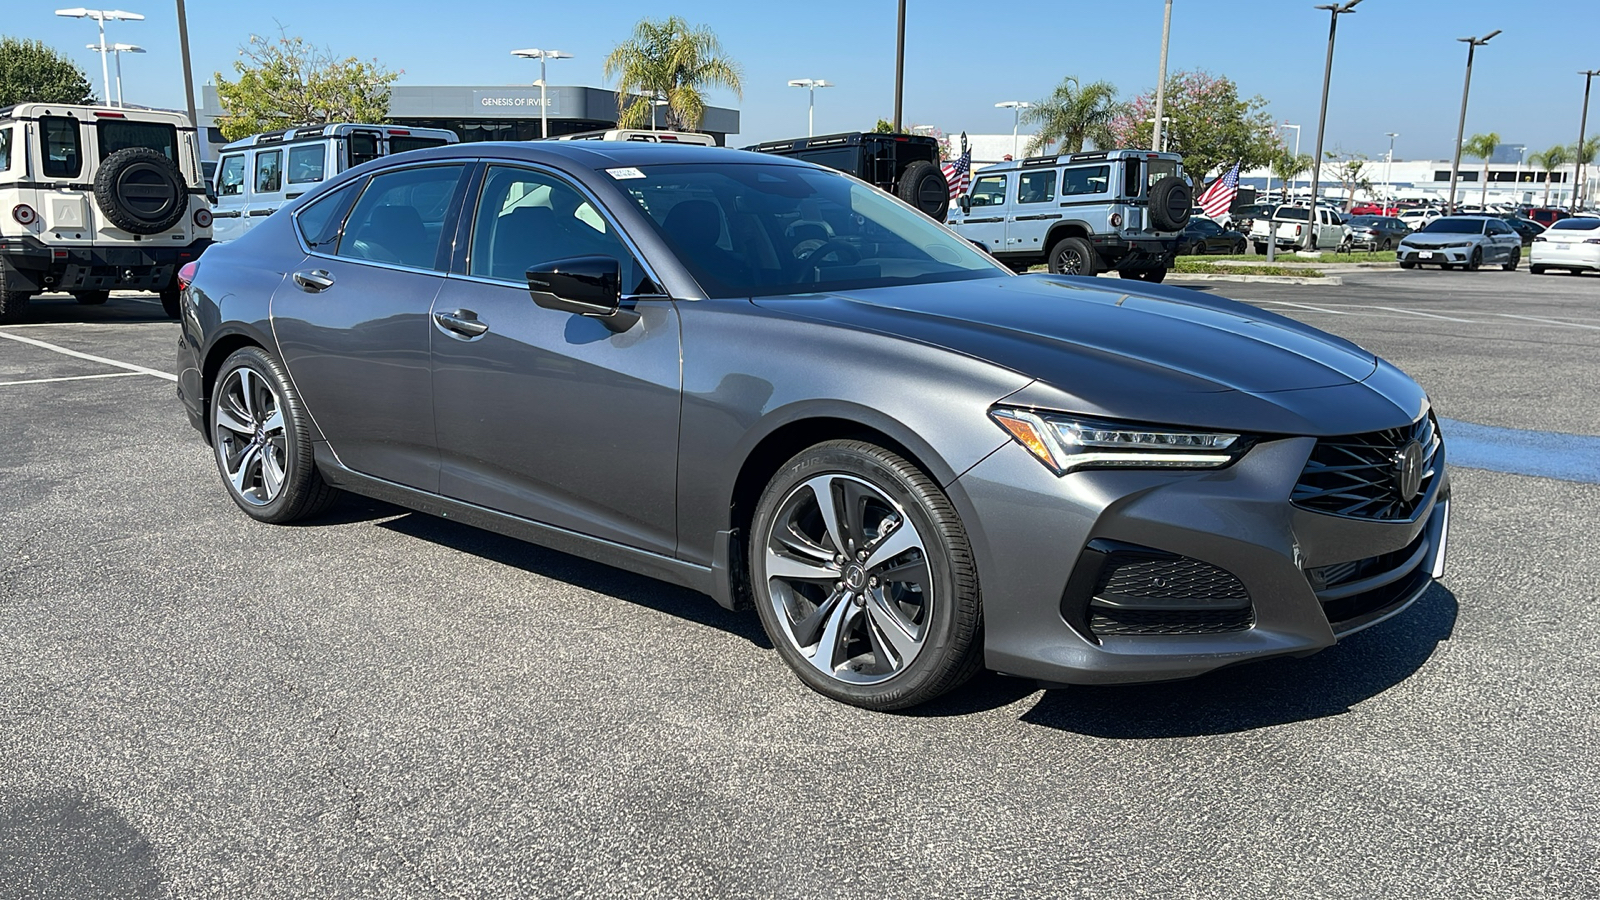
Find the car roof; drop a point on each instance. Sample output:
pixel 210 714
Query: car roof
pixel 604 154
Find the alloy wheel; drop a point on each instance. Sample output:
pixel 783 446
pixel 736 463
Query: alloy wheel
pixel 248 433
pixel 848 579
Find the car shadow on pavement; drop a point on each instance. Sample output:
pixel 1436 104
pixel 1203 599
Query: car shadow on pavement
pixel 68 844
pixel 64 310
pixel 689 605
pixel 1258 695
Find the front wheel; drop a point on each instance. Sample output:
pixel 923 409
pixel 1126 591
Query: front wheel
pixel 1407 264
pixel 1516 258
pixel 1072 256
pixel 1476 261
pixel 864 578
pixel 1536 270
pixel 1387 244
pixel 262 443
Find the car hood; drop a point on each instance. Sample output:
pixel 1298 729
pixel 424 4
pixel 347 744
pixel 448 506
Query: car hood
pixel 1130 352
pixel 1438 240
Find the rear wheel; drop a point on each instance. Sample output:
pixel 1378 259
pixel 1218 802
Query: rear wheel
pixel 169 302
pixel 1537 270
pixel 1199 249
pixel 863 577
pixel 1516 258
pixel 13 303
pixel 91 298
pixel 1388 244
pixel 262 443
pixel 1072 256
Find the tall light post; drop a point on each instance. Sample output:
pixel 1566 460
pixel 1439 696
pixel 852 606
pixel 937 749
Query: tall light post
pixel 1583 123
pixel 544 103
pixel 811 85
pixel 1161 78
pixel 1016 107
pixel 117 50
pixel 1334 12
pixel 100 16
pixel 1517 179
pixel 1461 127
pixel 1388 172
pixel 1290 186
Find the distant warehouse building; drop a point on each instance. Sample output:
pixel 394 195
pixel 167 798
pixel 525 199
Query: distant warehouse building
pixel 1429 180
pixel 490 113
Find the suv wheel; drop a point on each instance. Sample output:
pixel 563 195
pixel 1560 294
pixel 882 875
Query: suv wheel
pixel 91 298
pixel 13 303
pixel 864 579
pixel 922 185
pixel 1072 256
pixel 141 191
pixel 1171 203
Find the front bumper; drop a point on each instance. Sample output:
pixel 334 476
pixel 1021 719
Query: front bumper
pixel 34 266
pixel 1039 531
pixel 1433 255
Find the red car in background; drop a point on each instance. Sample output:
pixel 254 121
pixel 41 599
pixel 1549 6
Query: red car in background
pixel 1374 209
pixel 1546 215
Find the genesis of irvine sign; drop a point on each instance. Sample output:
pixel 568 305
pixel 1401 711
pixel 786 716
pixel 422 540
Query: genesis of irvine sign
pixel 516 100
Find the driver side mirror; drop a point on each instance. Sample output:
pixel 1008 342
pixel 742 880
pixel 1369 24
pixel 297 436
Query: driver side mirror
pixel 587 285
pixel 965 202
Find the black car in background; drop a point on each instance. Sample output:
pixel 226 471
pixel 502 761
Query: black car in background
pixel 1527 229
pixel 1376 232
pixel 1202 236
pixel 906 165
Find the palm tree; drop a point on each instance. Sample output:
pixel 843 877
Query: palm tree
pixel 1586 156
pixel 1482 146
pixel 1072 115
pixel 1288 166
pixel 1548 162
pixel 668 60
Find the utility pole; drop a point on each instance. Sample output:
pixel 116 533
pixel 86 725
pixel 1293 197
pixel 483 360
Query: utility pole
pixel 899 65
pixel 188 74
pixel 1461 126
pixel 1161 78
pixel 1578 183
pixel 1335 11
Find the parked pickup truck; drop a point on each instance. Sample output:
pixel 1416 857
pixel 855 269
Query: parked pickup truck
pixel 1288 225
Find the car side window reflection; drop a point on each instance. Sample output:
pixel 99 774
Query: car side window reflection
pixel 989 190
pixel 527 218
pixel 400 217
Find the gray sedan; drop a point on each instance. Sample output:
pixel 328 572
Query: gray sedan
pixel 787 389
pixel 1466 241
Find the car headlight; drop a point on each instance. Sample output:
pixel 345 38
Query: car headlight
pixel 1068 443
pixel 1457 244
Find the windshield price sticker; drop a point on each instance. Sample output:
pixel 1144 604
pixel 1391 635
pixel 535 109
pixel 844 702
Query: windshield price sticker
pixel 629 172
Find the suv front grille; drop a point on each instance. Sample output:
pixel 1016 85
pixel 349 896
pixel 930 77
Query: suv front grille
pixel 1357 476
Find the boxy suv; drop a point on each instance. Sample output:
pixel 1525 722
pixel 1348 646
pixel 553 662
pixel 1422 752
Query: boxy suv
pixel 258 174
pixel 97 198
pixel 1080 214
pixel 906 165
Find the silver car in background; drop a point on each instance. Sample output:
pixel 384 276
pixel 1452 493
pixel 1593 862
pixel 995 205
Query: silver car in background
pixel 1466 241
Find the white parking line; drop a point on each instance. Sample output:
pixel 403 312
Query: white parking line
pixel 1331 312
pixel 141 370
pixel 71 378
pixel 1413 312
pixel 1549 321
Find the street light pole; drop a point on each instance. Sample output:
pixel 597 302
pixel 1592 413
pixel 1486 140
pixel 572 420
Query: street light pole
pixel 544 104
pixel 811 85
pixel 100 16
pixel 1461 126
pixel 1161 78
pixel 1334 12
pixel 1388 173
pixel 117 50
pixel 188 73
pixel 1016 107
pixel 899 64
pixel 1583 123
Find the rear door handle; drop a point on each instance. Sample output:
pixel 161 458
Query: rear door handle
pixel 462 322
pixel 313 281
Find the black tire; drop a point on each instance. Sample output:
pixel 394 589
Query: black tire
pixel 936 596
pixel 1154 276
pixel 1199 249
pixel 286 448
pixel 91 298
pixel 1388 244
pixel 1072 256
pixel 141 191
pixel 1476 262
pixel 1515 260
pixel 1261 249
pixel 170 301
pixel 922 185
pixel 1536 270
pixel 13 303
pixel 1238 249
pixel 1407 264
pixel 1171 203
pixel 1446 267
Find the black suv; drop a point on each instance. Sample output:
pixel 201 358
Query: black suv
pixel 906 165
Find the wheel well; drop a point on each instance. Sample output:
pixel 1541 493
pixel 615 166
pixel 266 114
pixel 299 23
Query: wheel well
pixel 220 351
pixel 764 461
pixel 1064 231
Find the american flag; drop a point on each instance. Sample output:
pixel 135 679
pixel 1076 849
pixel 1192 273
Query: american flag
pixel 1219 197
pixel 958 174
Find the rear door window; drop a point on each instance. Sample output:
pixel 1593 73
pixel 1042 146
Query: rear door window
pixel 269 171
pixel 120 134
pixel 400 217
pixel 63 148
pixel 306 163
pixel 230 176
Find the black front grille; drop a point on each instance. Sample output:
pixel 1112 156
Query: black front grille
pixel 1357 475
pixel 1175 578
pixel 1125 589
pixel 1106 621
pixel 1354 591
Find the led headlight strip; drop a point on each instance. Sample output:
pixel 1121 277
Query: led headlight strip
pixel 1066 443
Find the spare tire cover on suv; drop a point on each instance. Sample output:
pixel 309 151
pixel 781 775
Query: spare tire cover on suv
pixel 141 191
pixel 1170 203
pixel 922 185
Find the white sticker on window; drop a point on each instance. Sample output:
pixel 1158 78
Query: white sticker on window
pixel 629 172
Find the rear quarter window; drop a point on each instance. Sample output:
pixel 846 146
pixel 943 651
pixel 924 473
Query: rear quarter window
pixel 62 146
pixel 1089 180
pixel 5 149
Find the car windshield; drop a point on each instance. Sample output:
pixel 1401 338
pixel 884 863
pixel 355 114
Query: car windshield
pixel 1584 224
pixel 761 230
pixel 1454 225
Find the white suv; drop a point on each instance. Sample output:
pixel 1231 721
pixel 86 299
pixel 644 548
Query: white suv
pixel 96 198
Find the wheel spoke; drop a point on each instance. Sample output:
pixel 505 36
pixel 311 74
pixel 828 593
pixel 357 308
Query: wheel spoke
pixel 274 422
pixel 806 630
pixel 228 417
pixel 781 566
pixel 913 571
pixel 888 624
pixel 247 460
pixel 271 473
pixel 835 635
pixel 247 393
pixel 852 513
pixel 893 544
pixel 822 489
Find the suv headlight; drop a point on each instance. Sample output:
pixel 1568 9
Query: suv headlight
pixel 1068 443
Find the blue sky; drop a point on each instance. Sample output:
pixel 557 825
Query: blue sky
pixel 1398 66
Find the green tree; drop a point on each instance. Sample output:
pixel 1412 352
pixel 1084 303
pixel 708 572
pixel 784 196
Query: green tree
pixel 1208 123
pixel 884 126
pixel 1351 170
pixel 1287 165
pixel 289 82
pixel 1548 162
pixel 1586 155
pixel 1481 146
pixel 1073 114
pixel 31 72
pixel 674 61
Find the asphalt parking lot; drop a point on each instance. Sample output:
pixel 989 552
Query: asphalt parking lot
pixel 383 704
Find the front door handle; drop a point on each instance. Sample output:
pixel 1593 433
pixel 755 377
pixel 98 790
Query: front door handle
pixel 313 281
pixel 462 322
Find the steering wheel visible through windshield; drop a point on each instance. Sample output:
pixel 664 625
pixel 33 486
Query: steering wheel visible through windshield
pixel 759 230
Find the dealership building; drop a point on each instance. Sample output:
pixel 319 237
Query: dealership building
pixel 490 113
